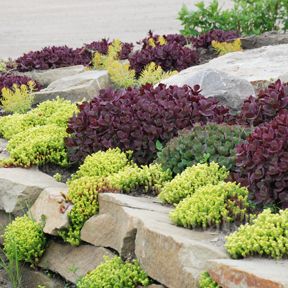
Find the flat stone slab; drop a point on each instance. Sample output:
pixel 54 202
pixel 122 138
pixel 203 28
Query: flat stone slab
pixel 20 187
pixel 76 88
pixel 51 205
pixel 72 262
pixel 249 273
pixel 45 77
pixel 173 256
pixel 255 65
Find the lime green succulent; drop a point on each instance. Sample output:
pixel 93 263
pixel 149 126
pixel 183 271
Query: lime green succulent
pixel 206 281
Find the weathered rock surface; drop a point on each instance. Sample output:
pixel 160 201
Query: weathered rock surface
pixel 3 152
pixel 45 77
pixel 250 273
pixel 171 255
pixel 83 86
pixel 50 204
pixel 256 65
pixel 19 188
pixel 5 219
pixel 228 89
pixel 31 279
pixel 72 262
pixel 266 39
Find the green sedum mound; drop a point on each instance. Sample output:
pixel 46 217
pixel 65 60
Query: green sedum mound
pixel 147 179
pixel 37 146
pixel 212 206
pixel 117 274
pixel 26 238
pixel 37 137
pixel 103 163
pixel 206 281
pixel 266 236
pixel 212 142
pixel 192 178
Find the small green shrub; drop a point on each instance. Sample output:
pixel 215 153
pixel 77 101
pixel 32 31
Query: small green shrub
pixel 37 146
pixel 146 179
pixel 115 273
pixel 192 178
pixel 212 142
pixel 212 206
pixel 56 112
pixel 247 17
pixel 103 163
pixel 19 98
pixel 27 237
pixel 83 194
pixel 206 281
pixel 266 236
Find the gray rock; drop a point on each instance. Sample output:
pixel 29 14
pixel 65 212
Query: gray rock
pixel 255 65
pixel 284 77
pixel 266 39
pixel 171 255
pixel 79 87
pixel 72 262
pixel 19 188
pixel 228 89
pixel 249 273
pixel 5 219
pixel 51 205
pixel 3 152
pixel 45 77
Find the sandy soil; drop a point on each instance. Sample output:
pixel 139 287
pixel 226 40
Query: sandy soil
pixel 32 24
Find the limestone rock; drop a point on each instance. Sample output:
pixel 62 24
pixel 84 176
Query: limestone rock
pixel 171 255
pixel 228 89
pixel 266 39
pixel 3 152
pixel 48 204
pixel 45 77
pixel 20 187
pixel 85 85
pixel 249 273
pixel 72 262
pixel 255 65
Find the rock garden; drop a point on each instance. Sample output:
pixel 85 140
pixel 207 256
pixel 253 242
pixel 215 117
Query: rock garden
pixel 161 163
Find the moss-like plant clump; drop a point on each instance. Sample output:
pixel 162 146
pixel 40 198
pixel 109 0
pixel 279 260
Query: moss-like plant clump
pixel 103 163
pixel 192 178
pixel 212 142
pixel 115 273
pixel 266 236
pixel 26 237
pixel 212 205
pixel 206 281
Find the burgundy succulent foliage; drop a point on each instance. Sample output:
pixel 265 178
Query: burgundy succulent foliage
pixel 134 119
pixel 102 47
pixel 205 40
pixel 170 38
pixel 262 162
pixel 171 56
pixel 52 57
pixel 266 106
pixel 8 80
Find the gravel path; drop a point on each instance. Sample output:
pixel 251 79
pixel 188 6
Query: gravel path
pixel 32 24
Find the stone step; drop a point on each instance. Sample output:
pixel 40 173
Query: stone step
pixel 249 273
pixel 173 256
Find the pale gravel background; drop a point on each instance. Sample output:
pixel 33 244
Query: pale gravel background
pixel 32 24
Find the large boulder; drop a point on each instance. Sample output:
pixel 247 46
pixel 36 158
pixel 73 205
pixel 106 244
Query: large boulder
pixel 72 262
pixel 79 87
pixel 45 77
pixel 51 205
pixel 261 65
pixel 20 187
pixel 228 89
pixel 250 273
pixel 173 256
